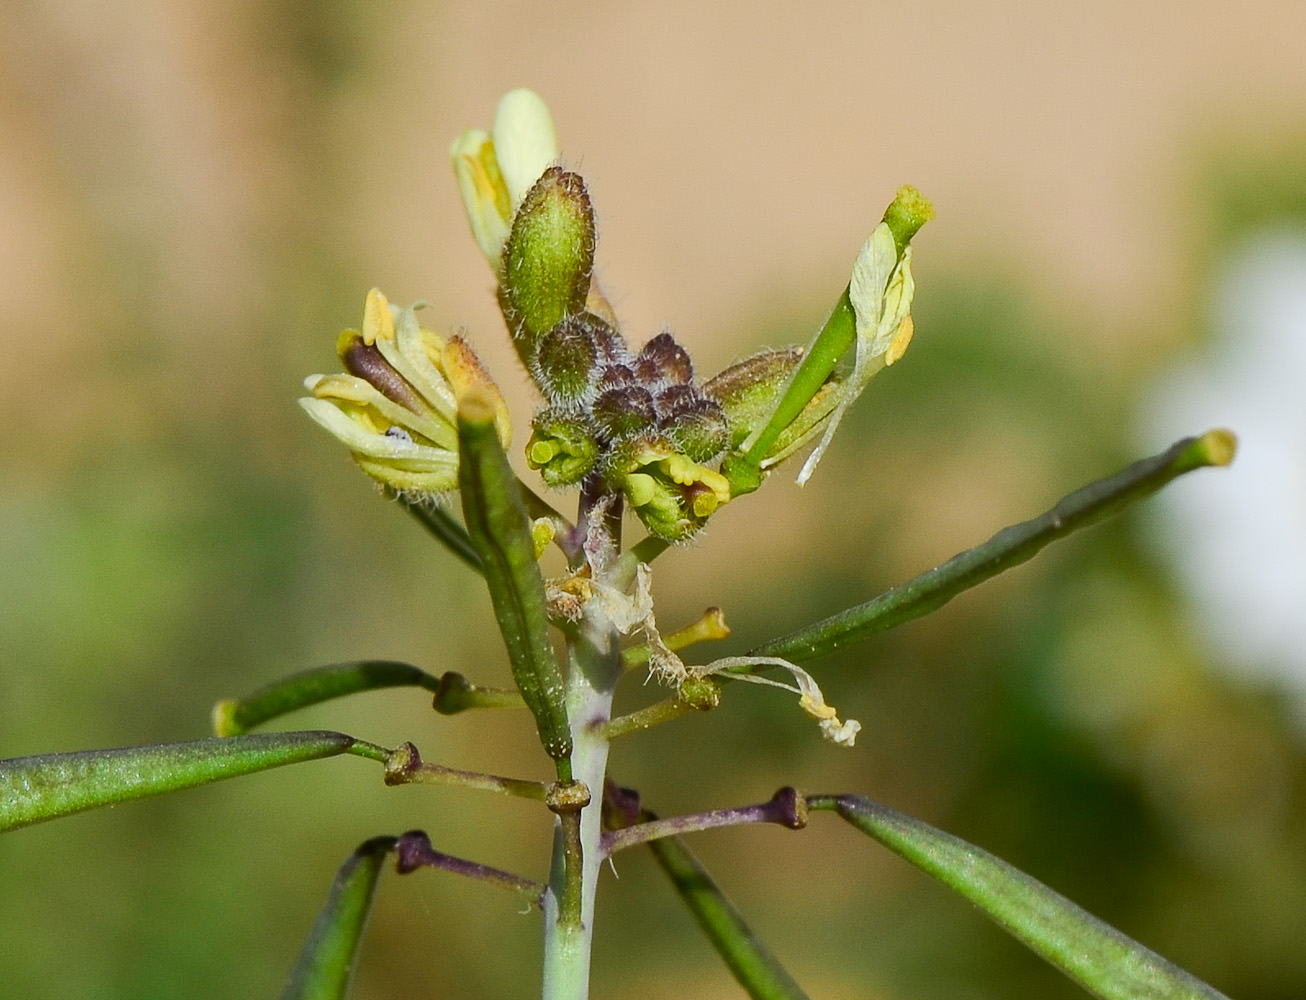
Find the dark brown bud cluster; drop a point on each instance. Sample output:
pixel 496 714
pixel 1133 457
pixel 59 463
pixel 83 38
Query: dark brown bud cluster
pixel 608 405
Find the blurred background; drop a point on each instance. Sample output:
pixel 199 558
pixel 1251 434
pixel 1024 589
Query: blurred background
pixel 194 200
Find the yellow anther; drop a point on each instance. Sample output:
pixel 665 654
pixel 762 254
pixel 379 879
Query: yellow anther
pixel 378 324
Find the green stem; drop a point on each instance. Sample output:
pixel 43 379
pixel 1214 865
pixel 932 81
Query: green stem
pixel 837 335
pixel 404 766
pixel 440 523
pixel 594 661
pixel 1009 547
pixel 645 718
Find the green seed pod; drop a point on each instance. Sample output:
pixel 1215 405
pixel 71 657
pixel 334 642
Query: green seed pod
pixel 562 447
pixel 749 390
pixel 501 534
pixel 548 258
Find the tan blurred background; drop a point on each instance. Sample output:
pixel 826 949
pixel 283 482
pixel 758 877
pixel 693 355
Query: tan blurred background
pixel 194 200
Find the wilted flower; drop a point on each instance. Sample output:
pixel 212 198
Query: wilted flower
pixel 396 408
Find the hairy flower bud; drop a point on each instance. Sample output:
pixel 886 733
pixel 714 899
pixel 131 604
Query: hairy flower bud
pixel 563 447
pixel 624 410
pixel 565 363
pixel 548 259
pixel 664 360
pixel 697 428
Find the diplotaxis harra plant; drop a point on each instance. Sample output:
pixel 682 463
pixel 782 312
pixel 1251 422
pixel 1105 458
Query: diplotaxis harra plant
pixel 624 428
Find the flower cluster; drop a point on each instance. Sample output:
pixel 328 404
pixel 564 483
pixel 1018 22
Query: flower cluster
pixel 639 420
pixel 617 421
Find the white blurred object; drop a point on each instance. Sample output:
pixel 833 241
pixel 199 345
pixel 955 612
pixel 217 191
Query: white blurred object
pixel 1237 538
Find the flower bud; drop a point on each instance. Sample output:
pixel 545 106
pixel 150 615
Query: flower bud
pixel 566 361
pixel 697 428
pixel 495 172
pixel 562 447
pixel 624 410
pixel 672 495
pixel 548 259
pixel 664 360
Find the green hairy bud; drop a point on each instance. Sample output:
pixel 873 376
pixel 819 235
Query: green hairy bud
pixel 548 258
pixel 562 447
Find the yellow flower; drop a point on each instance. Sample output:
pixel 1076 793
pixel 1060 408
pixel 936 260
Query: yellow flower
pixel 396 405
pixel 496 169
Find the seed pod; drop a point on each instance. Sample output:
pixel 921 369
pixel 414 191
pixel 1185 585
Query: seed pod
pixel 500 532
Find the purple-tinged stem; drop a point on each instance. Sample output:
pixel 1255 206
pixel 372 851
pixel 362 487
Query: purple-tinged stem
pixel 786 808
pixel 414 851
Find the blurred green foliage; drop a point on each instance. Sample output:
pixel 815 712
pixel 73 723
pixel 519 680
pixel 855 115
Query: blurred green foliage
pixel 208 539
